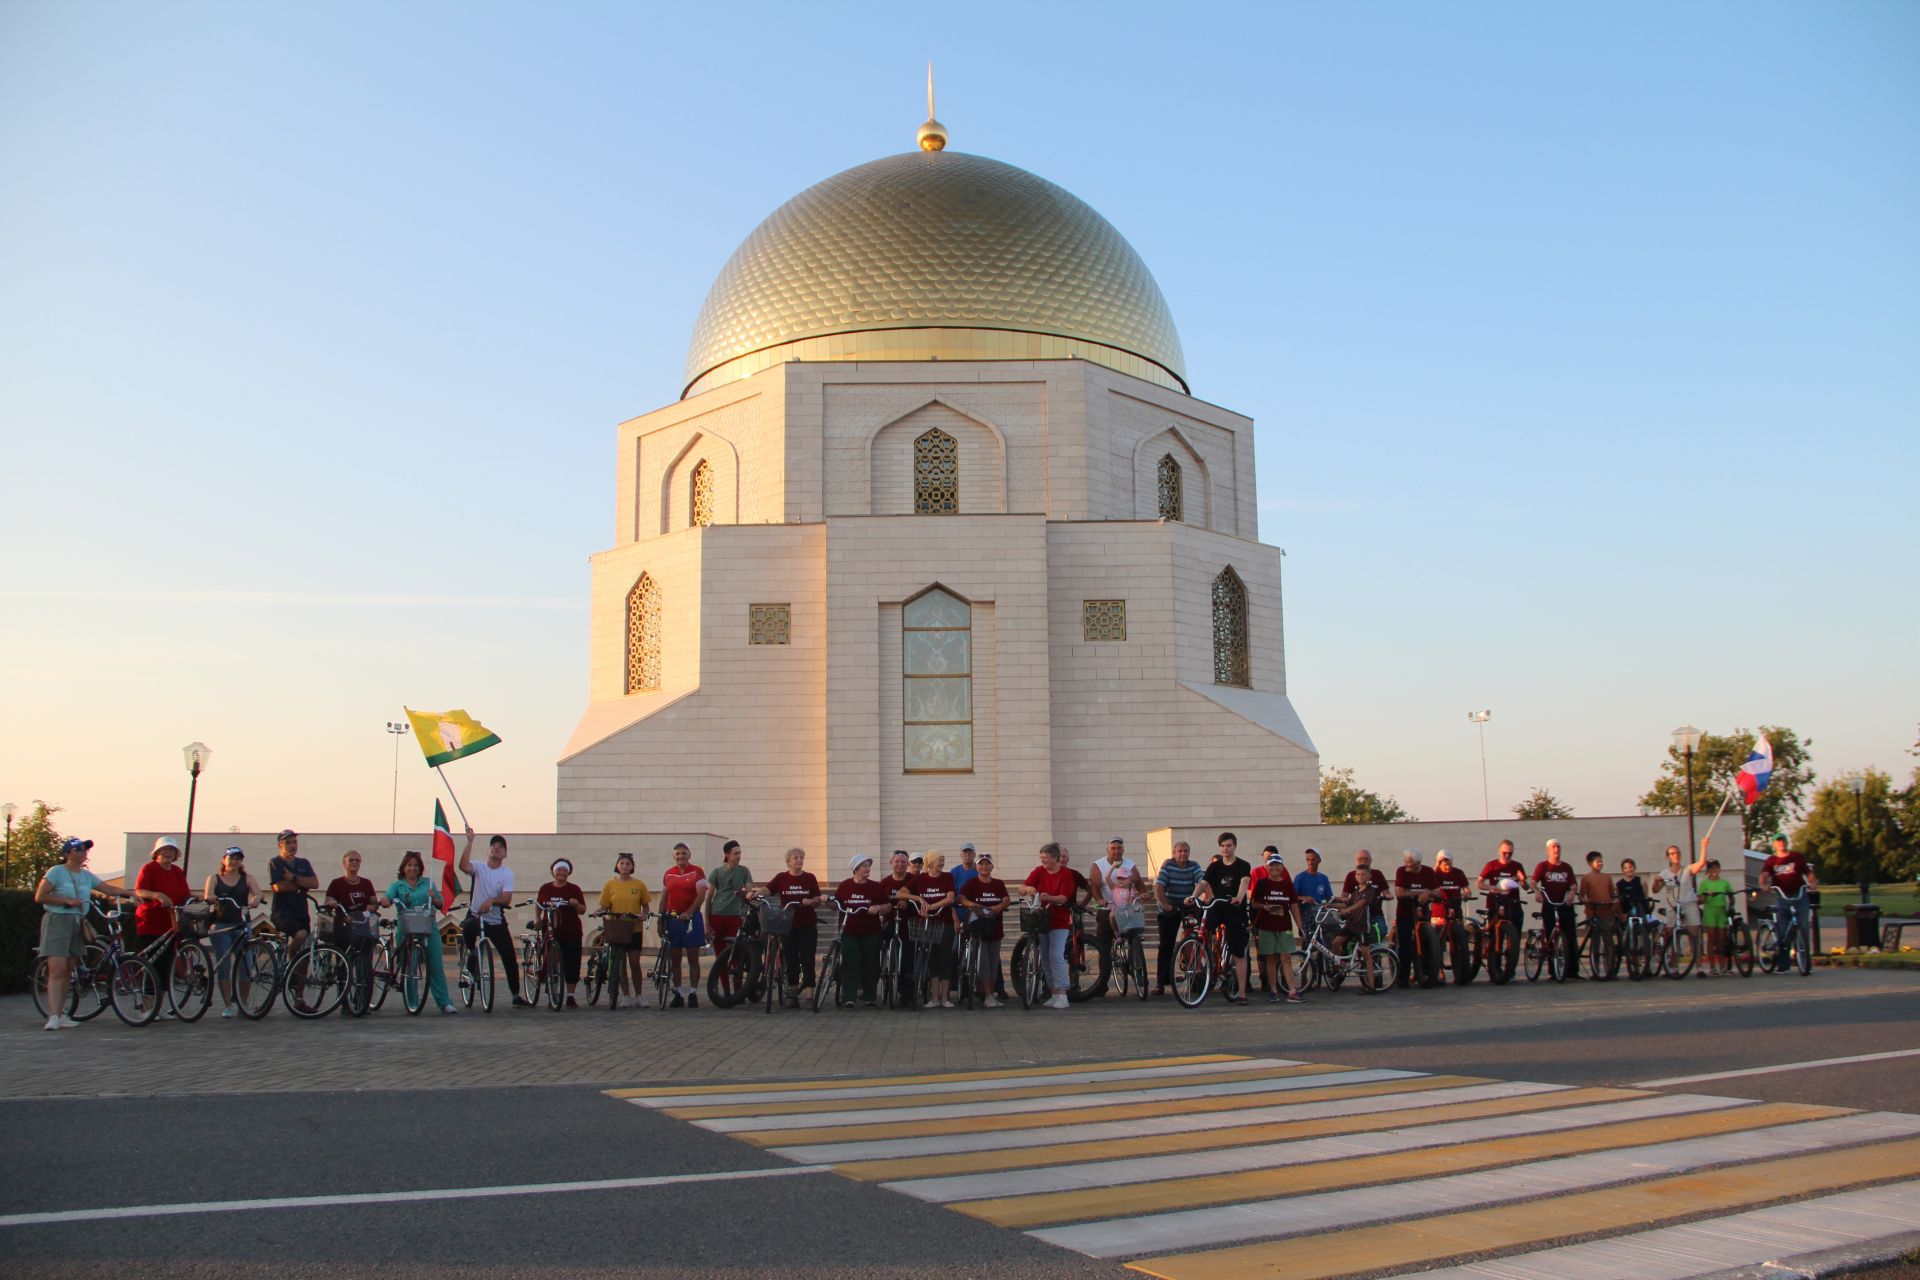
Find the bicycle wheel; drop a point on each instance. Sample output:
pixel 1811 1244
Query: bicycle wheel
pixel 1504 953
pixel 1089 968
pixel 1428 953
pixel 1802 954
pixel 1460 955
pixel 1682 954
pixel 1534 953
pixel 1740 946
pixel 556 978
pixel 412 975
pixel 1605 959
pixel 355 996
pixel 254 970
pixel 1034 981
pixel 483 966
pixel 135 991
pixel 1476 949
pixel 826 979
pixel 385 976
pixel 1386 968
pixel 662 976
pixel 590 975
pixel 1560 957
pixel 1192 972
pixel 773 974
pixel 190 981
pixel 967 972
pixel 316 982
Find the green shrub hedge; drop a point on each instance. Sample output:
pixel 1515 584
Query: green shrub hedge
pixel 19 935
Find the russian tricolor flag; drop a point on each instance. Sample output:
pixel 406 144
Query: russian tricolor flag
pixel 1756 772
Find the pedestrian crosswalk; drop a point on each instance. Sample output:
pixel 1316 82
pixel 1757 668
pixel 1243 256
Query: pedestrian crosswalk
pixel 1217 1167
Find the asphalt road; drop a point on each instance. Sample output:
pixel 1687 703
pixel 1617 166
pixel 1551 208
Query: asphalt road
pixel 88 1153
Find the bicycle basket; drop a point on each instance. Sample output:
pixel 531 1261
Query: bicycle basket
pixel 416 923
pixel 195 919
pixel 617 932
pixel 1033 919
pixel 773 919
pixel 1131 918
pixel 924 928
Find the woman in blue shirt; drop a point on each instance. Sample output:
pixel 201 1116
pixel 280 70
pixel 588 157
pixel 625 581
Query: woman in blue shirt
pixel 412 892
pixel 66 891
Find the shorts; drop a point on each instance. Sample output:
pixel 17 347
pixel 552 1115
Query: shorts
pixel 722 929
pixel 290 925
pixel 1236 924
pixel 1276 943
pixel 688 935
pixel 1687 915
pixel 62 934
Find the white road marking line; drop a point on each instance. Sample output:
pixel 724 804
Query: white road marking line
pixel 394 1197
pixel 1090 1076
pixel 1171 1093
pixel 1784 1066
pixel 1053 1135
pixel 1775 1235
pixel 1231 1159
pixel 1335 1210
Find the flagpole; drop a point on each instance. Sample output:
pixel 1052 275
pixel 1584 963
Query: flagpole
pixel 1725 800
pixel 456 799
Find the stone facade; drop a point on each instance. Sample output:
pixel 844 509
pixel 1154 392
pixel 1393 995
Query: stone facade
pixel 1062 471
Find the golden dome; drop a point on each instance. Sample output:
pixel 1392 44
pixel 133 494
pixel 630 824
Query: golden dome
pixel 934 255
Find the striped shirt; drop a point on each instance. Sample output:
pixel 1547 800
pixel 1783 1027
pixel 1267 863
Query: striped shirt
pixel 1178 881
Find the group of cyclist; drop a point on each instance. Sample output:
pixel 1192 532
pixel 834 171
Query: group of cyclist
pixel 1266 910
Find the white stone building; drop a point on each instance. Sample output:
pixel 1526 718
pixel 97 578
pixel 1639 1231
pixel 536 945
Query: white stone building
pixel 935 546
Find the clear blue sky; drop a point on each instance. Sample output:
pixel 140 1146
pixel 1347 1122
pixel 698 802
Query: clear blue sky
pixel 1584 343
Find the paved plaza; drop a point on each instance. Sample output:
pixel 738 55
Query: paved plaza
pixel 1676 1123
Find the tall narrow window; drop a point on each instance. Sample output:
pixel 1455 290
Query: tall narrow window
pixel 1230 664
pixel 937 701
pixel 936 474
pixel 702 495
pixel 1170 505
pixel 643 636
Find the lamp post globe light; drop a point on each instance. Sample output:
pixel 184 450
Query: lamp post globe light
pixel 1686 740
pixel 399 729
pixel 1480 718
pixel 6 860
pixel 1857 783
pixel 197 754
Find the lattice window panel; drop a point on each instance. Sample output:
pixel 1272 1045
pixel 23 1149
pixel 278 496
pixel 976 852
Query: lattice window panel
pixel 937 692
pixel 1171 502
pixel 936 474
pixel 1230 664
pixel 702 494
pixel 769 623
pixel 1103 619
pixel 643 636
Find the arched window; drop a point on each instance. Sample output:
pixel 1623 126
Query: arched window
pixel 702 512
pixel 643 636
pixel 1230 664
pixel 1170 505
pixel 937 700
pixel 936 474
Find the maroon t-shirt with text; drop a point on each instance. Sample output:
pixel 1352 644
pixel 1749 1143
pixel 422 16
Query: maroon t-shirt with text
pixel 1273 895
pixel 985 891
pixel 1555 881
pixel 788 887
pixel 853 895
pixel 1789 871
pixel 929 887
pixel 566 924
pixel 353 895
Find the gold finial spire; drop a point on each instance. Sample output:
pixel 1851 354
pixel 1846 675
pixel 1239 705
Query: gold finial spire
pixel 932 136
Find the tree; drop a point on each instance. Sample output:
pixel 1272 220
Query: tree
pixel 35 847
pixel 1714 766
pixel 1343 801
pixel 1852 838
pixel 1541 804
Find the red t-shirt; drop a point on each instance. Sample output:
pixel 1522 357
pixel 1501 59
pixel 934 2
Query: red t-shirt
pixel 788 887
pixel 1452 883
pixel 354 895
pixel 931 888
pixel 1555 881
pixel 985 891
pixel 1409 881
pixel 1789 871
pixel 853 894
pixel 1054 882
pixel 679 886
pixel 1273 896
pixel 1495 870
pixel 150 918
pixel 1358 882
pixel 566 924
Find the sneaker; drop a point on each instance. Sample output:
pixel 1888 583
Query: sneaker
pixel 947 1003
pixel 693 1001
pixel 168 1013
pixel 227 1012
pixel 447 1008
pixel 678 1002
pixel 572 1003
pixel 1058 1002
pixel 521 1002
pixel 991 1002
pixel 68 1022
pixel 1294 997
pixel 869 1004
pixel 1273 997
pixel 53 1023
pixel 791 1002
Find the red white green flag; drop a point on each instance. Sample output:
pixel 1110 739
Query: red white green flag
pixel 443 852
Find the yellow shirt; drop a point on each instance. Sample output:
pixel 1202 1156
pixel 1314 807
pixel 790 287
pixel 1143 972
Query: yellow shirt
pixel 625 897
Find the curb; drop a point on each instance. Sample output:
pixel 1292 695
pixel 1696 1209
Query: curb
pixel 1840 1261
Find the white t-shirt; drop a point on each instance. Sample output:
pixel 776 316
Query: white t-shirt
pixel 491 882
pixel 1679 886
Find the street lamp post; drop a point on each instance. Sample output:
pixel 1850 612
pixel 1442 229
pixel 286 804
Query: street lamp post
pixel 398 730
pixel 197 754
pixel 1686 740
pixel 1857 783
pixel 1480 718
pixel 6 861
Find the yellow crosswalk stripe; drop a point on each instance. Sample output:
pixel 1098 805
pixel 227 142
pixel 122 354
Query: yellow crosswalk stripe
pixel 1433 1239
pixel 901 1168
pixel 1150 1197
pixel 1129 1064
pixel 722 1111
pixel 1089 1115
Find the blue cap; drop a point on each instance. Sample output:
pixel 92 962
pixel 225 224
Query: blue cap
pixel 75 845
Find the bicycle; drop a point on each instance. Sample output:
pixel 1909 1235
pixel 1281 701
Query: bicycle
pixel 776 928
pixel 1126 954
pixel 236 972
pixel 661 975
pixel 735 976
pixel 1739 947
pixel 1793 947
pixel 828 977
pixel 1497 945
pixel 608 966
pixel 476 966
pixel 1374 966
pixel 416 929
pixel 541 952
pixel 1545 949
pixel 360 939
pixel 1200 956
pixel 1083 943
pixel 106 973
pixel 1674 953
pixel 1028 963
pixel 1600 942
pixel 1637 946
pixel 313 976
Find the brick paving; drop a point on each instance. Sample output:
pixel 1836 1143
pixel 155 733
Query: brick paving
pixel 391 1050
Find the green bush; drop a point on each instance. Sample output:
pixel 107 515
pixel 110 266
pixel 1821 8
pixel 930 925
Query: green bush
pixel 19 935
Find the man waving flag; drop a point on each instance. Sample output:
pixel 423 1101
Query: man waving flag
pixel 1756 772
pixel 443 853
